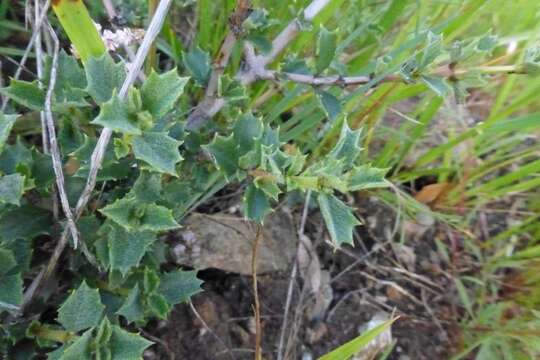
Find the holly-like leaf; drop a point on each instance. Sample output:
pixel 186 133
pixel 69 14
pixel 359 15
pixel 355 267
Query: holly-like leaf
pixel 11 188
pixel 158 305
pixel 117 115
pixel 256 204
pixel 437 84
pixel 11 292
pixel 126 249
pixel 127 346
pixel 160 92
pixel 131 214
pixel 81 310
pixel 24 222
pixel 6 124
pixel 79 349
pixel 225 153
pixel 70 84
pixel 27 94
pixel 329 103
pixel 247 130
pixel 147 188
pixel 7 261
pixel 326 49
pixel 103 76
pixel 132 308
pixel 197 62
pixel 159 151
pixel 347 148
pixel 179 286
pixel 366 177
pixel 338 218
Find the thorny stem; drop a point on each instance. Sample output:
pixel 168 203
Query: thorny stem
pixel 99 151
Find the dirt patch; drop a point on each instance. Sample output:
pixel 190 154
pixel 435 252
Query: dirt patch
pixel 366 279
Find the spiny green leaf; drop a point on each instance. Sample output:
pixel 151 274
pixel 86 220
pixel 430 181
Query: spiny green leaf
pixel 25 93
pixel 158 305
pixel 79 349
pixel 326 49
pixel 338 218
pixel 159 151
pixel 366 177
pixel 104 76
pixel 11 292
pixel 81 310
pixel 197 62
pixel 127 346
pixel 24 222
pixel 126 249
pixel 7 261
pixel 330 104
pixel 147 188
pixel 132 308
pixel 11 188
pixel 15 157
pixel 437 84
pixel 225 153
pixel 116 115
pixel 70 87
pixel 131 214
pixel 247 130
pixel 346 149
pixel 6 123
pixel 160 92
pixel 179 286
pixel 104 332
pixel 256 204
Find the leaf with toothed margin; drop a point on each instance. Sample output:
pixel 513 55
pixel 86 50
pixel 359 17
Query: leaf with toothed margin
pixel 127 248
pixel 197 62
pixel 179 286
pixel 160 92
pixel 27 94
pixel 347 148
pixel 6 124
pixel 338 218
pixel 329 103
pixel 326 49
pixel 132 214
pixel 132 308
pixel 79 349
pixel 117 116
pixel 159 150
pixel 366 177
pixel 81 310
pixel 11 292
pixel 127 346
pixel 256 204
pixel 224 150
pixel 11 189
pixel 104 76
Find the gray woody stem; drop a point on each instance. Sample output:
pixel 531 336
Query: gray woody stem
pixel 53 143
pixel 211 105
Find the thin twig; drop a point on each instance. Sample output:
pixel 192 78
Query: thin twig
pixel 205 325
pixel 39 66
pixel 38 24
pixel 55 151
pixel 257 307
pixel 99 151
pixel 211 106
pixel 292 278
